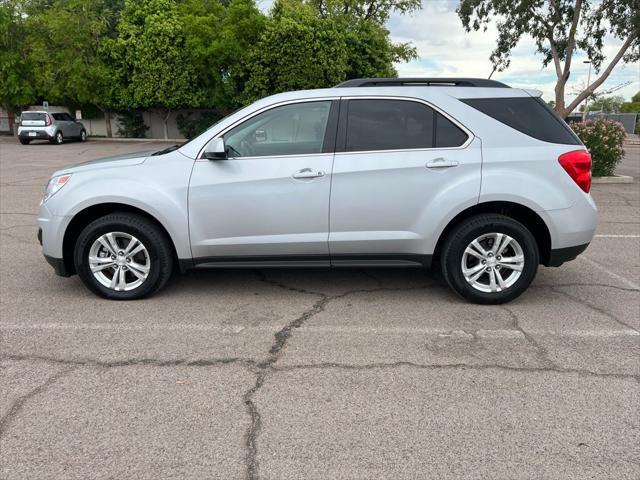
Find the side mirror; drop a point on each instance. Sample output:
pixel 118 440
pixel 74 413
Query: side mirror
pixel 215 150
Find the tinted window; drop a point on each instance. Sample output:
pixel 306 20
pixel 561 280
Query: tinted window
pixel 293 129
pixel 388 125
pixel 58 116
pixel 447 133
pixel 32 116
pixel 528 115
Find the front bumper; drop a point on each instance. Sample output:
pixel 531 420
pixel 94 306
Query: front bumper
pixel 58 266
pixel 51 237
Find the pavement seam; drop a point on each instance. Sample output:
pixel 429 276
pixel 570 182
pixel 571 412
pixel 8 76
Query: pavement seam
pixel 20 402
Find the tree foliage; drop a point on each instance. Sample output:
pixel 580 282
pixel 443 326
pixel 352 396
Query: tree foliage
pixel 15 90
pixel 170 54
pixel 560 28
pixel 304 47
pixel 633 106
pixel 605 104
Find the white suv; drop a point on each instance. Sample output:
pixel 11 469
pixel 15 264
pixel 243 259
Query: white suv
pixel 480 179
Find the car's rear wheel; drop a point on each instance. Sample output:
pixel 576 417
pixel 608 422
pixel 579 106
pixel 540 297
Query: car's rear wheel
pixel 24 141
pixel 83 136
pixel 489 259
pixel 123 256
pixel 58 138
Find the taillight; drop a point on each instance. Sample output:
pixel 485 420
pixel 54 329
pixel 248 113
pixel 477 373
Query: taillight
pixel 578 165
pixel 47 119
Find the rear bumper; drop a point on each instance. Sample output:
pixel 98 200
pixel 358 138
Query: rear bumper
pixel 39 135
pixel 560 255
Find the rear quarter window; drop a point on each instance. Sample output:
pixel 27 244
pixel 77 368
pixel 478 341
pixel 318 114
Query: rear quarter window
pixel 528 115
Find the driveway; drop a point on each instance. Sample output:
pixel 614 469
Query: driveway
pixel 316 374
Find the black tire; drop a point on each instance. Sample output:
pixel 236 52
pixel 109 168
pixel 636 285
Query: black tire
pixel 24 141
pixel 83 136
pixel 472 228
pixel 58 138
pixel 151 235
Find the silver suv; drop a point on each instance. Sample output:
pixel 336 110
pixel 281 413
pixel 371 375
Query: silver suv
pixel 480 180
pixel 55 127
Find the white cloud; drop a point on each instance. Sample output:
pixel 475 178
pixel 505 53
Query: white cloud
pixel 445 49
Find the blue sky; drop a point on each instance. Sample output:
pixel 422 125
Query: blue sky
pixel 445 49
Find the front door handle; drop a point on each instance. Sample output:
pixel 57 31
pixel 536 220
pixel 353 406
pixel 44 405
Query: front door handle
pixel 442 163
pixel 308 173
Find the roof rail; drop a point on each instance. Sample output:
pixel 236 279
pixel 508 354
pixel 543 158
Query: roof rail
pixel 426 82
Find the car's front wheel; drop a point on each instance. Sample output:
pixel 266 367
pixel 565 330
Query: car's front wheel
pixel 489 259
pixel 123 256
pixel 83 136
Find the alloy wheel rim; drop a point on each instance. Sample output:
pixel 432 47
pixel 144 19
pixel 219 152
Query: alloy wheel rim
pixel 119 261
pixel 59 138
pixel 493 262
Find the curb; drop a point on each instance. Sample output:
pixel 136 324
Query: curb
pixel 613 179
pixel 140 140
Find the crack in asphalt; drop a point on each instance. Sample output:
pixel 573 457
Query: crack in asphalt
pixel 281 339
pixel 594 308
pixel 19 403
pixel 457 366
pixel 542 352
pixel 604 285
pixel 19 213
pixel 150 362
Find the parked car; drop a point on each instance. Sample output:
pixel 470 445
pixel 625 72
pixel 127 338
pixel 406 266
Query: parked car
pixel 55 127
pixel 480 180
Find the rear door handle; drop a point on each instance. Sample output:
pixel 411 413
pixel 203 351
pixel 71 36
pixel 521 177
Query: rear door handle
pixel 442 163
pixel 308 173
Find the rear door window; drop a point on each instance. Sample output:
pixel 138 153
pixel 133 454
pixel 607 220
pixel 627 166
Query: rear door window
pixel 388 125
pixel 528 115
pixel 379 124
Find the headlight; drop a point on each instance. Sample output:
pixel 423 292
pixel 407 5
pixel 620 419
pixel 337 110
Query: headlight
pixel 55 184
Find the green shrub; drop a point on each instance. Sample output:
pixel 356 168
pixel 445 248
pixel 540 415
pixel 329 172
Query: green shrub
pixel 131 125
pixel 192 126
pixel 604 139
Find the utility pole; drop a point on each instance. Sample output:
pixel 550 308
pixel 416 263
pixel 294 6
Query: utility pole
pixel 586 102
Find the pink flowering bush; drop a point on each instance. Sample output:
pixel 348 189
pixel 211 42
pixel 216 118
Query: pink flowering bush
pixel 604 139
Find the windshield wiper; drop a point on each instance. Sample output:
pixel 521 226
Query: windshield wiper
pixel 168 149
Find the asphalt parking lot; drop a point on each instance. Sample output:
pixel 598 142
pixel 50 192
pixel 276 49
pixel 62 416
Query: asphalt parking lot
pixel 314 374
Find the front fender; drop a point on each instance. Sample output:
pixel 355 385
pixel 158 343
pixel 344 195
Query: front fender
pixel 161 192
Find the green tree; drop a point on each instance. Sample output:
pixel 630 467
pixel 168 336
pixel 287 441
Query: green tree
pixel 605 104
pixel 16 90
pixel 377 11
pixel 148 59
pixel 297 50
pixel 560 28
pixel 64 43
pixel 217 38
pixel 633 106
pixel 304 46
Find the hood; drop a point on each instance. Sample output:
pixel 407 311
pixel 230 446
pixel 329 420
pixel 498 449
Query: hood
pixel 124 160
